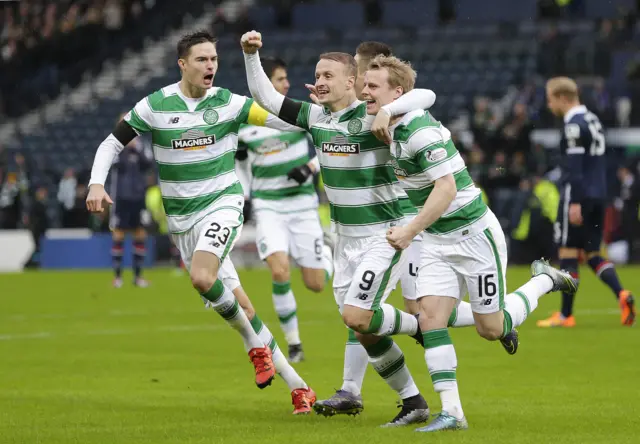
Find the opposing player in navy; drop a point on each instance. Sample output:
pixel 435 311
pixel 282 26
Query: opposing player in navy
pixel 128 191
pixel 583 195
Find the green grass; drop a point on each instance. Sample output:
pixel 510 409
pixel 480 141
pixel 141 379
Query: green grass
pixel 81 362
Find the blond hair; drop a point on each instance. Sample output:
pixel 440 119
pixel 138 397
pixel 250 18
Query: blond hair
pixel 563 86
pixel 342 57
pixel 400 72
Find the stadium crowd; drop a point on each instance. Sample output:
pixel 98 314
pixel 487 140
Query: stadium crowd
pixel 42 40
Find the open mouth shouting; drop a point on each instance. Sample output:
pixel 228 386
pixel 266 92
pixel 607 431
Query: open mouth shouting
pixel 371 104
pixel 323 92
pixel 208 79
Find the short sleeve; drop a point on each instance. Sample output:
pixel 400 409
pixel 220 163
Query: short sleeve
pixel 140 118
pixel 433 154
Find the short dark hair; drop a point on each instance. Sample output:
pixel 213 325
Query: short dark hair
pixel 342 57
pixel 188 40
pixel 369 50
pixel 270 64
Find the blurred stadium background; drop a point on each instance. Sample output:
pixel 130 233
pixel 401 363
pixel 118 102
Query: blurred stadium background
pixel 70 68
pixel 83 362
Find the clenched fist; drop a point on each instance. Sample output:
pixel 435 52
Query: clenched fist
pixel 97 195
pixel 251 41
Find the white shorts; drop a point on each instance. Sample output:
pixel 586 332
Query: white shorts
pixel 299 235
pixel 216 233
pixel 477 265
pixel 408 279
pixel 366 270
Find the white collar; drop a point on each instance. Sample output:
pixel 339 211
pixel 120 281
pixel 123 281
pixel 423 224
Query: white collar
pixel 578 109
pixel 339 114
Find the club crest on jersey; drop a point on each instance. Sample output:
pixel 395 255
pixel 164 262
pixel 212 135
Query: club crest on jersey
pixel 340 146
pixel 194 139
pixel 436 155
pixel 210 116
pixel 354 126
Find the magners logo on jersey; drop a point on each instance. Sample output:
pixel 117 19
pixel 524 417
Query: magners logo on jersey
pixel 193 139
pixel 272 146
pixel 340 146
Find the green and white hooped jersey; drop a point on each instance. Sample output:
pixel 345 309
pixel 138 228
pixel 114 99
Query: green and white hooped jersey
pixel 423 152
pixel 194 145
pixel 272 154
pixel 356 169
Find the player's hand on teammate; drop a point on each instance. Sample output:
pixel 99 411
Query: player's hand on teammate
pixel 97 195
pixel 251 41
pixel 300 173
pixel 575 214
pixel 313 93
pixel 380 127
pixel 400 237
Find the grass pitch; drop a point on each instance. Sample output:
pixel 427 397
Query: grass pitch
pixel 81 362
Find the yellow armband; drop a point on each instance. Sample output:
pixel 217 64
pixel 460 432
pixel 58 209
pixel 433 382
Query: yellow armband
pixel 257 115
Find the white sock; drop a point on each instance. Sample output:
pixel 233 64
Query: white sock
pixel 356 361
pixel 225 304
pixel 283 368
pixel 285 305
pixel 524 300
pixel 388 360
pixel 388 320
pixel 327 261
pixel 442 363
pixel 462 316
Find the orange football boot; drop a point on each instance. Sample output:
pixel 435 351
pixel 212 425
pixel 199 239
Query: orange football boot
pixel 303 400
pixel 263 363
pixel 557 320
pixel 627 308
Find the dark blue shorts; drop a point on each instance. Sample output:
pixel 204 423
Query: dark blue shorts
pixel 588 236
pixel 127 214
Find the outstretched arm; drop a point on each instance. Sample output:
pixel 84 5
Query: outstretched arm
pixel 106 154
pixel 263 91
pixel 108 151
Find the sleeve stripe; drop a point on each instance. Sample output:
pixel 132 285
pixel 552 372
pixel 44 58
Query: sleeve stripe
pixel 575 150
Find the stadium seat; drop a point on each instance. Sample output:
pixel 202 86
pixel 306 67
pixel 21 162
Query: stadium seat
pixel 410 13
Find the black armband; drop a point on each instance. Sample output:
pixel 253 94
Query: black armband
pixel 124 133
pixel 290 110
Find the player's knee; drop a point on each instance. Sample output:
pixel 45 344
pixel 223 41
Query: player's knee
pixel 280 271
pixel 202 279
pixel 489 332
pixel 314 283
pixel 356 320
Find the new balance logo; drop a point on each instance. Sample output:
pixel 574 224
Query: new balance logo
pixel 363 296
pixel 174 120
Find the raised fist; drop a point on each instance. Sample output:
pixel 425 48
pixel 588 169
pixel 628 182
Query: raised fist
pixel 251 41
